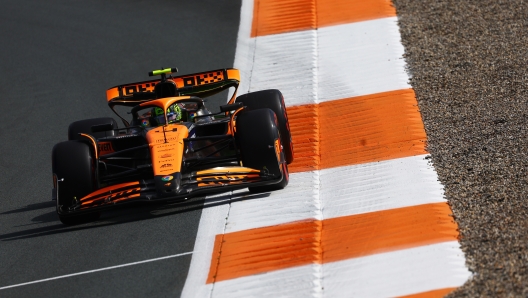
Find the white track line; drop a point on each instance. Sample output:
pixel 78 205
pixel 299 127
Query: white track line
pixel 96 270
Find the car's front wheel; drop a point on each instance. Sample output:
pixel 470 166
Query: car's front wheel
pixel 272 99
pixel 258 139
pixel 73 169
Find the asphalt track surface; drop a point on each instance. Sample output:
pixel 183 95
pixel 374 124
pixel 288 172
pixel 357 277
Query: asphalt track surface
pixel 57 60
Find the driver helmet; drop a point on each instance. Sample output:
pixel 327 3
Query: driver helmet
pixel 174 114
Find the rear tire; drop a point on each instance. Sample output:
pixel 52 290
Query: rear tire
pixel 85 126
pixel 272 99
pixel 72 162
pixel 256 133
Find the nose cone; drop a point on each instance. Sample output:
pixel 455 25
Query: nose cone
pixel 166 148
pixel 167 185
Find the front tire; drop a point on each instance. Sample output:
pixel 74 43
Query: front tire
pixel 272 99
pixel 73 167
pixel 257 136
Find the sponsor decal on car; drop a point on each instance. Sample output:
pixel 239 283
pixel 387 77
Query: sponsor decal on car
pixel 202 79
pixel 105 148
pixel 166 178
pixel 142 87
pixel 278 149
pixel 165 160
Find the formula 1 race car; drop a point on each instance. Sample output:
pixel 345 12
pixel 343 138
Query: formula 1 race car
pixel 173 147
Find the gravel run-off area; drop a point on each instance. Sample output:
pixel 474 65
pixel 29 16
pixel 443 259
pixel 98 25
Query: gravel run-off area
pixel 468 62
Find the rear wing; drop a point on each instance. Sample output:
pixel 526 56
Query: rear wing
pixel 201 84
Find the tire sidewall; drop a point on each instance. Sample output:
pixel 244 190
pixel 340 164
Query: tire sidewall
pixel 257 134
pixel 274 100
pixel 73 165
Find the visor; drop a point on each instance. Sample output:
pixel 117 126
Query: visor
pixel 160 120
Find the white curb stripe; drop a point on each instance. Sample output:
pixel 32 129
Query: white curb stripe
pixel 427 267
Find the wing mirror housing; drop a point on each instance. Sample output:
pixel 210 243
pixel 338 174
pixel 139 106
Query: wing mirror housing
pixel 231 107
pixel 102 127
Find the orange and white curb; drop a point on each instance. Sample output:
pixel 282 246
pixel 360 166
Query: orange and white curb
pixel 364 213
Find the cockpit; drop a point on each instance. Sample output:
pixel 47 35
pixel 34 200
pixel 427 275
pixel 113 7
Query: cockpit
pixel 152 115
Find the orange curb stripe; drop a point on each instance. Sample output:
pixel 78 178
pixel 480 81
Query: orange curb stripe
pixel 304 128
pixel 281 16
pixel 388 230
pixel 356 130
pixel 431 294
pixel 336 12
pixel 289 245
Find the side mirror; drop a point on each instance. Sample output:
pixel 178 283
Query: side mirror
pixel 231 107
pixel 102 127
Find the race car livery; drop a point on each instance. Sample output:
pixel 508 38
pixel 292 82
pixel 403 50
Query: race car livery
pixel 172 147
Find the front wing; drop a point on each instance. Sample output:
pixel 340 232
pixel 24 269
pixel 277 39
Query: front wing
pixel 179 187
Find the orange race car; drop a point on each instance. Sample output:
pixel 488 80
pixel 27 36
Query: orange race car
pixel 173 147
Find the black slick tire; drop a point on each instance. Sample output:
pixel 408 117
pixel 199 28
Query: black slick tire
pixel 272 99
pixel 256 134
pixel 72 164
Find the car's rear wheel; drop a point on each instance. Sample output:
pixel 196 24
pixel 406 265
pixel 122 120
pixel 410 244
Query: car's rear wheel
pixel 85 126
pixel 258 139
pixel 272 99
pixel 73 168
